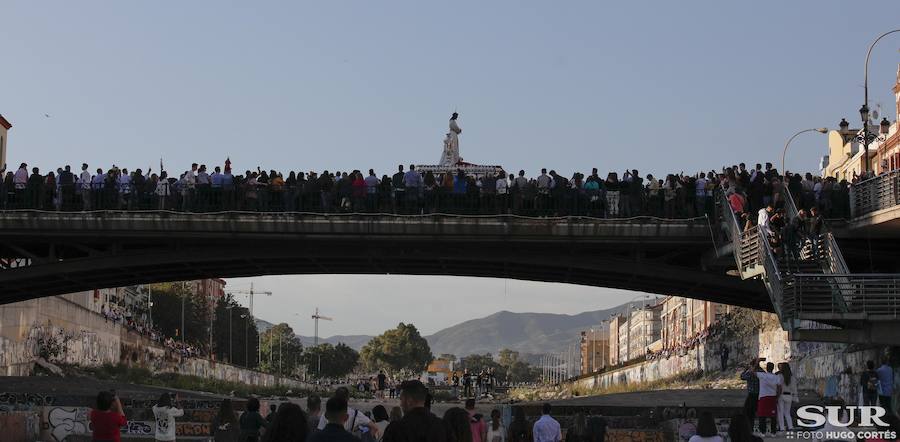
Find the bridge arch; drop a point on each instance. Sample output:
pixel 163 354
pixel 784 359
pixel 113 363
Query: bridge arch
pixel 51 253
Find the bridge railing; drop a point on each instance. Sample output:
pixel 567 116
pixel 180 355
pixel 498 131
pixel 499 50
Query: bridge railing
pixel 841 297
pixel 529 201
pixel 772 275
pixel 874 194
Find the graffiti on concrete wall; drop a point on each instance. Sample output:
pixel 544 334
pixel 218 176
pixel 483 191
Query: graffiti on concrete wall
pixel 24 401
pixel 137 428
pixel 63 422
pixel 182 429
pixel 634 436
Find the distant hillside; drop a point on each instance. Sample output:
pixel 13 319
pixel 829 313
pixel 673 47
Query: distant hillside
pixel 527 333
pixel 524 332
pixel 355 342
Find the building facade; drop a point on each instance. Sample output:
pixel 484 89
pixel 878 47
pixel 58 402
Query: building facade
pixel 845 159
pixel 4 138
pixel 615 322
pixel 683 318
pixel 644 330
pixel 594 349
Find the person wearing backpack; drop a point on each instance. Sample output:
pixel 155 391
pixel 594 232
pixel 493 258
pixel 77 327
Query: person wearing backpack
pixel 868 381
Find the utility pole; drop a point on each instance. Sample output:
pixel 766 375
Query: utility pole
pixel 149 305
pixel 316 317
pixel 183 295
pixel 251 292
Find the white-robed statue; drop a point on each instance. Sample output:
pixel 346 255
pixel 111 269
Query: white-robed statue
pixel 451 143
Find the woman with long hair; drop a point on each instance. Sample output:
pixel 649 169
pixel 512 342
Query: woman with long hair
pixel 706 429
pixel 519 430
pixel 107 418
pixel 495 431
pixel 290 424
pixel 457 422
pixel 787 398
pixel 251 422
pixel 578 432
pixel 225 424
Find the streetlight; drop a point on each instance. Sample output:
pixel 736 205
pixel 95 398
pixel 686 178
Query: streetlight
pixel 246 340
pixel 821 130
pixel 230 333
pixel 864 110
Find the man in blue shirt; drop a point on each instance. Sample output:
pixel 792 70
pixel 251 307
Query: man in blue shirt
pixel 886 379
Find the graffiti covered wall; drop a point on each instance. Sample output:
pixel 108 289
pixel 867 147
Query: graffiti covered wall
pixel 55 329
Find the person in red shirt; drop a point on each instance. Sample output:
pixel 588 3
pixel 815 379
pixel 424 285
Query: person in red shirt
pixel 107 418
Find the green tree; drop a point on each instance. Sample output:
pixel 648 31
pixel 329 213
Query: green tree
pixel 331 361
pixel 281 350
pixel 401 348
pixel 478 363
pixel 508 357
pixel 170 300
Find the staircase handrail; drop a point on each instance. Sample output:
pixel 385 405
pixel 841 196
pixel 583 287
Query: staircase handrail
pixel 866 295
pixel 772 277
pixel 836 263
pixel 733 225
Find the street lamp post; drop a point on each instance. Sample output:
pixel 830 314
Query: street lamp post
pixel 821 130
pixel 182 311
pixel 149 305
pixel 230 334
pixel 246 319
pixel 864 110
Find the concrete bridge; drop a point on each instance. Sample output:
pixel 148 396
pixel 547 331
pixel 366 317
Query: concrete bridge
pixel 50 253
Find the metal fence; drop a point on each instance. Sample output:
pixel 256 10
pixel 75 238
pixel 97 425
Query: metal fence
pixel 873 194
pixel 345 199
pixel 846 296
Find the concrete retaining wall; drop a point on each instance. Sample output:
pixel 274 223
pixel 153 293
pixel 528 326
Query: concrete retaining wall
pixel 75 335
pixel 815 365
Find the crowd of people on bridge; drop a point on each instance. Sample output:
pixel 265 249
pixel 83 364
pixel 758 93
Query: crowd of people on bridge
pixel 407 191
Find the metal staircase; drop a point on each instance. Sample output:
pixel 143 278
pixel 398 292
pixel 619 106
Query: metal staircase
pixel 815 295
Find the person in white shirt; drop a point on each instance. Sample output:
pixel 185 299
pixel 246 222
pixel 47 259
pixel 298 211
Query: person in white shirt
pixel 165 412
pixel 124 189
pixel 496 432
pixel 762 219
pixel 767 405
pixel 355 419
pixel 85 180
pixel 788 397
pixel 546 429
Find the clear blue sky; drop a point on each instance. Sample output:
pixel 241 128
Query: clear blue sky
pixel 662 86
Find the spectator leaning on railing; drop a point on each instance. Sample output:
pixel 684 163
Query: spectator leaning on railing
pixel 411 192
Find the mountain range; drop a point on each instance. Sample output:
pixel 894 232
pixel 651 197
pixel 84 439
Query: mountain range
pixel 527 333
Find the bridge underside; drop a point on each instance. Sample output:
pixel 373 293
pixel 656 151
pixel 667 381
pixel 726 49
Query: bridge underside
pixel 45 257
